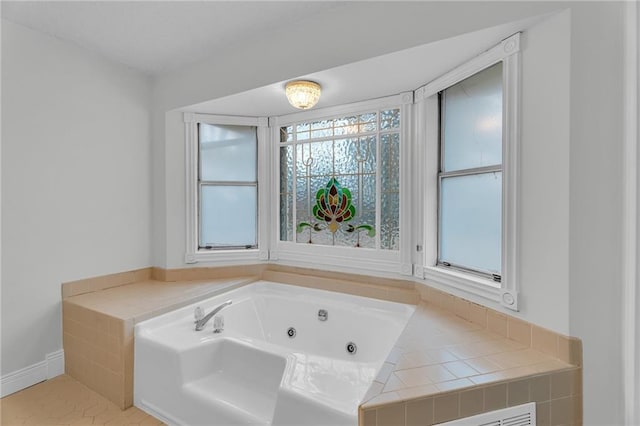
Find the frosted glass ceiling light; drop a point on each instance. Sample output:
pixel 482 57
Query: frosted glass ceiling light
pixel 302 94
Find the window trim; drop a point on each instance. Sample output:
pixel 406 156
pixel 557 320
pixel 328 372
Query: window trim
pixel 348 259
pixel 193 253
pixel 426 145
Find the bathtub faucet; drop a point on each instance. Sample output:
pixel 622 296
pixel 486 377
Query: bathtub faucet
pixel 203 321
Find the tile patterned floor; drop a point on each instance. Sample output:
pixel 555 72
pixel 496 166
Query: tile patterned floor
pixel 65 401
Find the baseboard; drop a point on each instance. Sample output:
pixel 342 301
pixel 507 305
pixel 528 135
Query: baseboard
pixel 55 364
pixel 52 366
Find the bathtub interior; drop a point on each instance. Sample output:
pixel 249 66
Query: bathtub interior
pixel 253 372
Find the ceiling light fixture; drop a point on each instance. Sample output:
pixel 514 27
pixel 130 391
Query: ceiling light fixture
pixel 303 94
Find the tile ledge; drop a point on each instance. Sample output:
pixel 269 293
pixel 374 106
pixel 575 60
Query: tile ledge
pixel 388 398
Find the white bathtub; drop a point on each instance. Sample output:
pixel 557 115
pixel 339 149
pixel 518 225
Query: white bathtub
pixel 253 372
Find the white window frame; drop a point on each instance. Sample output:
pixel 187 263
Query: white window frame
pixel 426 146
pixel 348 259
pixel 193 253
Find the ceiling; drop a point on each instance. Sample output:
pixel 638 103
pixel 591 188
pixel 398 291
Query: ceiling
pixel 159 36
pixel 385 75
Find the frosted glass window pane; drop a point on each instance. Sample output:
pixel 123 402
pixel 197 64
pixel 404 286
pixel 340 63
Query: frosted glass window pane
pixel 227 153
pixel 472 121
pixel 286 217
pixel 286 193
pixel 390 187
pixel 471 221
pixel 228 215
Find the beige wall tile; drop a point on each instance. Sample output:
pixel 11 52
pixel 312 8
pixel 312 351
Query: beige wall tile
pixel 519 331
pixel 159 274
pixel 518 372
pixel 446 407
pixel 419 412
pixel 382 399
pixel 540 388
pixel 570 350
pixel 407 394
pixel 471 402
pixel 518 392
pixel 550 365
pixel 477 314
pixel 461 308
pixel 495 397
pixel 488 378
pixel 441 299
pixel 561 384
pixel 544 341
pixel 577 409
pixel 390 415
pixel 454 385
pixel 368 418
pixel 543 413
pixel 127 355
pixel 562 411
pixel 576 384
pixel 497 322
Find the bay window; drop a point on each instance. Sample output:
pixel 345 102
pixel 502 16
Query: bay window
pixel 421 183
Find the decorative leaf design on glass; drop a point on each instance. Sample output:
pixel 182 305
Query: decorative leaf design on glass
pixel 334 207
pixel 370 231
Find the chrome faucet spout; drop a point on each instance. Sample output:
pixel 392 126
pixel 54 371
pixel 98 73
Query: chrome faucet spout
pixel 202 322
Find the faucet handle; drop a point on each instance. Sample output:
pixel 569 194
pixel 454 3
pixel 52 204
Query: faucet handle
pixel 198 313
pixel 218 323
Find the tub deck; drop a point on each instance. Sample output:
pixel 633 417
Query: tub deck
pixel 451 355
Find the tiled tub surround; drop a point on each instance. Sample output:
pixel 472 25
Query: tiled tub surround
pixel 98 328
pixel 444 367
pixel 453 359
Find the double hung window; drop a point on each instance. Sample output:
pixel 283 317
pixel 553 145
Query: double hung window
pixel 470 175
pixel 227 186
pixel 468 139
pixel 224 190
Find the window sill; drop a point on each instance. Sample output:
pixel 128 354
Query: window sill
pixel 361 260
pixel 478 286
pixel 226 257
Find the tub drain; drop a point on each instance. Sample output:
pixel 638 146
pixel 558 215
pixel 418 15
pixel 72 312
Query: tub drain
pixel 291 332
pixel 352 348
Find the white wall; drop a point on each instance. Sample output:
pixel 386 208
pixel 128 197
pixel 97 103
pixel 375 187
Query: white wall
pixel 544 181
pixel 595 267
pixel 75 182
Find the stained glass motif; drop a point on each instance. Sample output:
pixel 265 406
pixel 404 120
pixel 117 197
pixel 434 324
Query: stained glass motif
pixel 334 208
pixel 335 174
